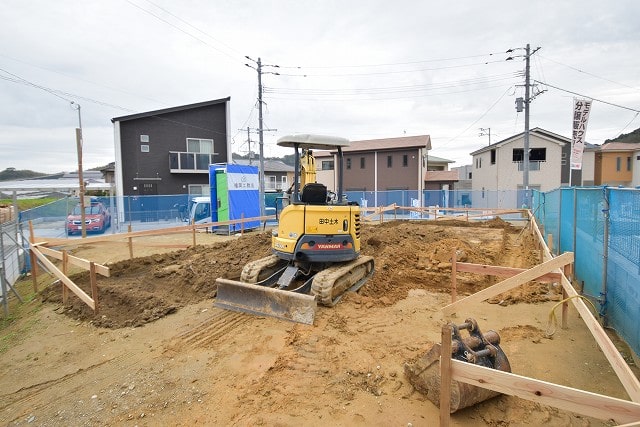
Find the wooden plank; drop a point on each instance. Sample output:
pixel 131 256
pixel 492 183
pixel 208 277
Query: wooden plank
pixel 494 270
pixel 78 262
pixel 156 232
pixel 64 279
pixel 512 282
pixel 94 286
pixel 445 376
pixel 558 396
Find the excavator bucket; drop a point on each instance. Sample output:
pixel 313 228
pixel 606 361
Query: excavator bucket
pixel 265 301
pixel 478 348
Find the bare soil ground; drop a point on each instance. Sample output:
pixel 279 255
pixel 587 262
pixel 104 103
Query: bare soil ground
pixel 159 353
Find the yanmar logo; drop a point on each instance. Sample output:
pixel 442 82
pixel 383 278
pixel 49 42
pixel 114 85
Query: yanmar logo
pixel 323 246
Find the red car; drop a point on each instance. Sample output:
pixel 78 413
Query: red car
pixel 96 217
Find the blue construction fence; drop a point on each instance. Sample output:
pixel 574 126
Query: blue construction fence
pixel 601 225
pixel 171 207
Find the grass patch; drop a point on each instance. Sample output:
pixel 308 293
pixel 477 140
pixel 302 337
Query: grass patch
pixel 24 204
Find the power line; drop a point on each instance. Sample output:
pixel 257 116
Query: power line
pixel 386 98
pixel 481 116
pixel 182 30
pixel 392 72
pixel 590 74
pixel 392 89
pixel 590 97
pixel 392 63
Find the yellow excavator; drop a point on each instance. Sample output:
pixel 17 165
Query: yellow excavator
pixel 315 248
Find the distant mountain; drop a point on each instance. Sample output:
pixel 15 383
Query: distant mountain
pixel 11 174
pixel 633 137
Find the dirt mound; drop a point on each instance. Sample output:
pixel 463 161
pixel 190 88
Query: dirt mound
pixel 408 255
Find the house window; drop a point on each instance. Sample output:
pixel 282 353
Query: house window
pixel 405 161
pixel 144 148
pixel 198 190
pixel 327 165
pixel 144 138
pixel 535 154
pixel 618 164
pixel 629 163
pixel 493 156
pixel 361 162
pixel 478 162
pixel 518 155
pixel 470 175
pixel 348 162
pixel 389 161
pixel 204 146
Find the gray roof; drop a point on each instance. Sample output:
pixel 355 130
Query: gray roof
pixel 170 110
pixel 269 165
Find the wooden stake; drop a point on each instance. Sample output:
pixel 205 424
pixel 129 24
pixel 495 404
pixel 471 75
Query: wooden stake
pixel 94 286
pixel 445 376
pixel 193 232
pixel 34 260
pixel 65 271
pixel 130 243
pixel 454 273
pixel 550 242
pixel 242 224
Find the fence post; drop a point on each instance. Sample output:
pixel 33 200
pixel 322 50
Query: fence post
pixel 445 376
pixel 65 268
pixel 130 243
pixel 605 254
pixel 454 273
pixel 94 286
pixel 34 260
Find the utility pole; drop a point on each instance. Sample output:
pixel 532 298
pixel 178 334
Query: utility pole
pixel 258 68
pixel 484 132
pixel 525 158
pixel 527 103
pixel 80 175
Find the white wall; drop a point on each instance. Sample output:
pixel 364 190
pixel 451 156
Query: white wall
pixel 504 174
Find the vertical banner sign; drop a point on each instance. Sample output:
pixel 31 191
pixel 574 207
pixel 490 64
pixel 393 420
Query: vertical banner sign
pixel 581 109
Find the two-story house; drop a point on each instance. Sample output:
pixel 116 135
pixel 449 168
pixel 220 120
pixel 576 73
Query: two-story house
pixel 614 164
pixel 499 166
pixel 377 164
pixel 169 151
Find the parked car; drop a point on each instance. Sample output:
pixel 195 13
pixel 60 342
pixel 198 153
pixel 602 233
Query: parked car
pixel 96 217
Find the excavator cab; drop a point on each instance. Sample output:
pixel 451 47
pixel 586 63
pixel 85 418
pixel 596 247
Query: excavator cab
pixel 316 246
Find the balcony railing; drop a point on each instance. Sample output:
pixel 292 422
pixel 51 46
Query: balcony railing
pixel 186 162
pixel 534 165
pixel 275 186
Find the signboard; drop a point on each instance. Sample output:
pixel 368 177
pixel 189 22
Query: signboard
pixel 581 109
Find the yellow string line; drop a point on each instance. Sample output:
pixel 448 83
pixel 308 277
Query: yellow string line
pixel 553 320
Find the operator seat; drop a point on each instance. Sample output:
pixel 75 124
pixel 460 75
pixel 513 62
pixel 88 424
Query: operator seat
pixel 314 194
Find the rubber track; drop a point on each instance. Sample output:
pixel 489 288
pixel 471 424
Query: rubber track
pixel 329 284
pixel 251 270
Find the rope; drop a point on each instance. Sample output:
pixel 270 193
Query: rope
pixel 552 323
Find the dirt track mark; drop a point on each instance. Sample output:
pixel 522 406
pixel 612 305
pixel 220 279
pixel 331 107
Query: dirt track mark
pixel 219 325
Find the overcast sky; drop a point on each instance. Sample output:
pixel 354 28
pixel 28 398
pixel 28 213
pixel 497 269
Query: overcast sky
pixel 360 69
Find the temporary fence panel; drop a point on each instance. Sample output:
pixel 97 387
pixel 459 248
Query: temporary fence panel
pixel 566 230
pixel 623 265
pixel 589 252
pixel 551 215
